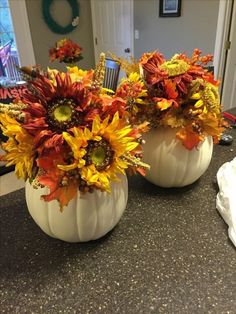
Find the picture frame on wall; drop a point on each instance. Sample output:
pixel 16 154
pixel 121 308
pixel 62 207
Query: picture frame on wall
pixel 170 8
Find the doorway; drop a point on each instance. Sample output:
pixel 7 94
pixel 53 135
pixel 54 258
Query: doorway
pixel 225 52
pixel 112 27
pixel 229 78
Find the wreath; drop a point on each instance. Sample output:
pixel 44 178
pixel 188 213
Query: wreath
pixel 53 25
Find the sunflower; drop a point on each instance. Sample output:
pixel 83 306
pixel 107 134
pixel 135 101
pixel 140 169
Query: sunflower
pixel 54 107
pixel 98 154
pixel 19 147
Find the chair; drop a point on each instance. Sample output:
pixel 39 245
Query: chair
pixel 210 68
pixel 112 70
pixel 4 56
pixel 2 70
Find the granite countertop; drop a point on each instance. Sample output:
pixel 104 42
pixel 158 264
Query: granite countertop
pixel 170 253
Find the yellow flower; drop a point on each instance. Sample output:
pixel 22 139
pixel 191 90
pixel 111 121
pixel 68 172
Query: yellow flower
pixel 52 74
pixel 133 89
pixel 207 99
pixel 98 153
pixel 135 78
pixel 175 66
pixel 78 75
pixel 61 42
pixel 19 147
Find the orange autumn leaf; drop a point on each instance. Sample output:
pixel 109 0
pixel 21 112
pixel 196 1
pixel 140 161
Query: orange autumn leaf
pixel 189 138
pixel 62 194
pixel 52 178
pixel 164 104
pixel 209 77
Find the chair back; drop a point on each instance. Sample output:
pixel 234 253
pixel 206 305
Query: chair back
pixel 5 52
pixel 210 68
pixel 2 70
pixel 112 70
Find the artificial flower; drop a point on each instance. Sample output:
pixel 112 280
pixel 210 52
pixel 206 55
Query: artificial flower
pixel 66 51
pixel 68 134
pixel 99 153
pixel 19 147
pixel 54 107
pixel 179 92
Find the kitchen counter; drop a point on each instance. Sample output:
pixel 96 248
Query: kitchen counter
pixel 170 253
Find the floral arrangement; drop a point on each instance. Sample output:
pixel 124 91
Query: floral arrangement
pixel 65 50
pixel 67 134
pixel 180 93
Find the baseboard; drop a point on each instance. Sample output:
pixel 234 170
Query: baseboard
pixel 9 183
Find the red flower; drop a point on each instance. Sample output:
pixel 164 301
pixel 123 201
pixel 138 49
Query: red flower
pixel 54 107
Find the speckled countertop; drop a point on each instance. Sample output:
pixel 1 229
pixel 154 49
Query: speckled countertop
pixel 170 253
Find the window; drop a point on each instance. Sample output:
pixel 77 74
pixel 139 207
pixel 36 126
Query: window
pixel 8 50
pixel 6 28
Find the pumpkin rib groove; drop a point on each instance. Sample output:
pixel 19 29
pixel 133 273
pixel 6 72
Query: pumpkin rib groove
pixel 114 199
pixel 185 172
pixel 95 230
pixel 49 220
pixel 174 177
pixel 160 159
pixel 77 214
pixel 154 159
pixel 174 171
pixel 200 159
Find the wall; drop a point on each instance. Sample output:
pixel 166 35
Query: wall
pixel 195 28
pixel 43 38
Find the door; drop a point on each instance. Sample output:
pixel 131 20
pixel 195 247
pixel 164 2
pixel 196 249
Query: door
pixel 112 27
pixel 229 83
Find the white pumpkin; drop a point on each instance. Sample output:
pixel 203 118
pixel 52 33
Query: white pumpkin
pixel 171 164
pixel 87 217
pixel 2 152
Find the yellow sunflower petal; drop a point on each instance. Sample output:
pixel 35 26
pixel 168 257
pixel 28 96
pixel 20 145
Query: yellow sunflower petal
pixel 199 103
pixel 96 125
pixel 67 167
pixel 196 96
